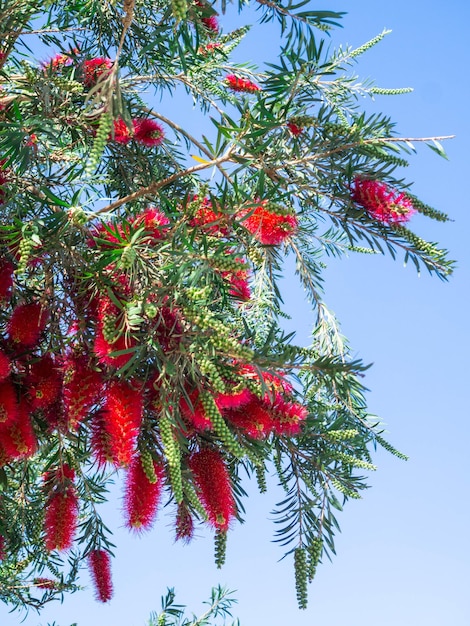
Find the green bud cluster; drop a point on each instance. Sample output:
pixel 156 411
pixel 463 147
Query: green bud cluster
pixel 148 466
pixel 198 293
pixel 194 501
pixel 173 457
pixel 77 216
pixel 314 550
pixel 179 9
pixel 301 576
pixel 427 210
pixel 25 249
pixel 304 121
pixel 341 435
pixel 261 478
pixel 220 548
pixel 110 332
pixel 210 370
pixel 227 263
pixel 345 490
pixel 128 257
pixel 383 91
pixel 349 459
pixel 220 427
pixel 67 84
pixel 150 310
pixel 420 244
pixel 101 139
pixel 255 255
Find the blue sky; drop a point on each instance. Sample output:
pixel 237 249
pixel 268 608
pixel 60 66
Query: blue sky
pixel 403 556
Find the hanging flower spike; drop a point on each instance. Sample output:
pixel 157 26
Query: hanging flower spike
pixel 269 224
pixel 44 382
pixel 6 274
pixel 141 495
pixel 241 84
pixel 184 523
pixel 121 133
pixel 122 416
pixel 18 436
pixel 254 419
pixel 61 508
pixel 148 132
pixel 94 69
pixel 5 366
pixel 8 402
pixel 213 482
pixel 81 390
pixel 383 203
pixel 26 324
pixel 100 571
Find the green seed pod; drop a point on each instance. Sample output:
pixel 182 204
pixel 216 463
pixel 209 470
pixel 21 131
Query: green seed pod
pixel 179 9
pixel 128 257
pixel 220 548
pixel 148 466
pixel 300 568
pixel 173 456
pixel 314 550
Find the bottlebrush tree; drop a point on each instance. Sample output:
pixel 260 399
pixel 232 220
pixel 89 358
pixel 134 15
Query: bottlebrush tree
pixel 141 326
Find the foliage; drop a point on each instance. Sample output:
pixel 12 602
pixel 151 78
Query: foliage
pixel 141 268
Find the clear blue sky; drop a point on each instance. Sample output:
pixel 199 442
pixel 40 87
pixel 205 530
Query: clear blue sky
pixel 404 556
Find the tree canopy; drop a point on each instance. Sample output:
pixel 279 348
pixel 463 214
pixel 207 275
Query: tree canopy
pixel 141 265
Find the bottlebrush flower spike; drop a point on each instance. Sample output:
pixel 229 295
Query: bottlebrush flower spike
pixel 122 416
pixel 8 402
pixel 5 366
pixel 382 202
pixel 184 523
pixel 148 132
pixel 2 548
pixel 121 133
pixel 254 419
pixel 213 482
pixel 61 509
pixel 208 217
pixel 194 412
pixel 241 84
pixel 18 436
pixel 288 417
pixel 26 324
pixel 100 570
pixel 44 583
pixel 82 389
pixel 93 69
pixel 6 274
pixel 101 439
pixel 269 224
pixel 142 496
pixel 154 221
pixel 44 382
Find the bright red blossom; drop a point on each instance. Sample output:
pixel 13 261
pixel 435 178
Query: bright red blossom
pixel 241 84
pixel 294 128
pixel 61 508
pixel 5 366
pixel 44 382
pixel 269 224
pixel 27 323
pixel 100 570
pixel 121 133
pixel 8 402
pixel 148 132
pixel 141 496
pixel 94 69
pixel 215 490
pixel 6 274
pixel 382 202
pixel 82 389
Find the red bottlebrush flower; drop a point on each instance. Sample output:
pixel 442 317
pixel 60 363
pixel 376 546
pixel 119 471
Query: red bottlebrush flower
pixel 210 48
pixel 101 439
pixel 238 280
pixel 288 417
pixel 5 366
pixel 102 234
pixel 44 583
pixel 167 328
pixel 94 69
pixel 122 133
pixel 194 411
pixel 57 61
pixel 254 419
pixel 184 523
pixel 239 398
pixel 6 274
pixel 269 224
pixel 241 84
pixel 81 390
pixel 18 436
pixel 122 416
pixel 100 571
pixel 61 509
pixel 382 202
pixel 148 132
pixel 8 402
pixel 208 217
pixel 155 222
pixel 26 324
pixel 294 128
pixel 44 382
pixel 211 23
pixel 214 487
pixel 104 350
pixel 142 496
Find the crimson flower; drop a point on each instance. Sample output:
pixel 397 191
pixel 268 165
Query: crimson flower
pixel 93 69
pixel 100 570
pixel 148 132
pixel 241 84
pixel 121 134
pixel 382 202
pixel 269 224
pixel 294 128
pixel 141 495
